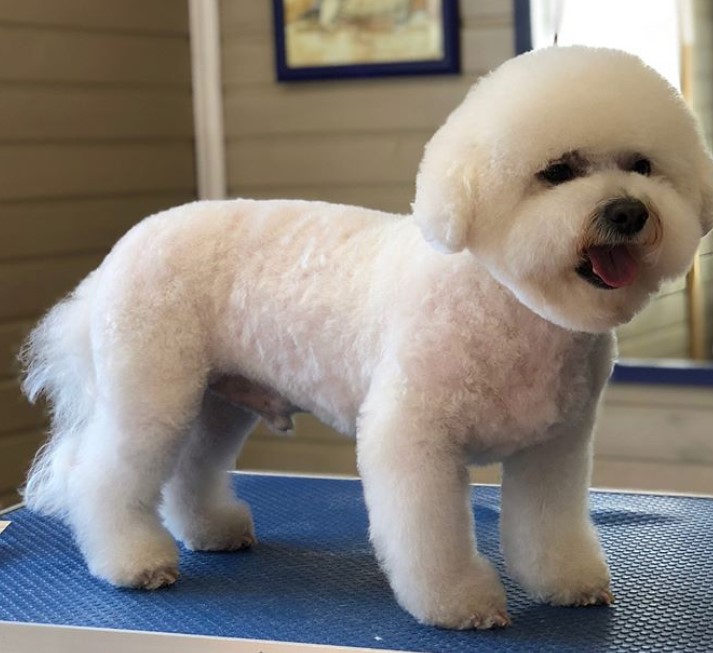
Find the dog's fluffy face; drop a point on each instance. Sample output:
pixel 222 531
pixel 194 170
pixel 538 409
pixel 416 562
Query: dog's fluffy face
pixel 577 176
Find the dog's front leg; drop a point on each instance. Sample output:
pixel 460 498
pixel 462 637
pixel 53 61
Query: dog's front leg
pixel 548 539
pixel 421 522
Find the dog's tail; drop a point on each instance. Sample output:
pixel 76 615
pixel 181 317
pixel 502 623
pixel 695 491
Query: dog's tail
pixel 58 363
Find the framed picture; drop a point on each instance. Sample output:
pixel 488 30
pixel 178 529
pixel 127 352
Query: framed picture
pixel 320 39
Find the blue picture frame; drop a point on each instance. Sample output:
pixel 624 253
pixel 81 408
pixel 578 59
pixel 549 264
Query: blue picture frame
pixel 449 63
pixel 523 29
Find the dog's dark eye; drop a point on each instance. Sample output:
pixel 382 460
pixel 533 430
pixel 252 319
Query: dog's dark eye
pixel 641 167
pixel 557 173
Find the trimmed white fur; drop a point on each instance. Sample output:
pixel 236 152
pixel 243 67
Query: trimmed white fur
pixel 488 346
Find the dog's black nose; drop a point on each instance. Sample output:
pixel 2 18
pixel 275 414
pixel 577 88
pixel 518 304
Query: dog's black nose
pixel 626 214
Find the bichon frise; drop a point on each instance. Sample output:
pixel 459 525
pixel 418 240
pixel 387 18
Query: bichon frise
pixel 550 206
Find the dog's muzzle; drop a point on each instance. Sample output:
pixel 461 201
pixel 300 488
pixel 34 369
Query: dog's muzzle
pixel 625 216
pixel 612 263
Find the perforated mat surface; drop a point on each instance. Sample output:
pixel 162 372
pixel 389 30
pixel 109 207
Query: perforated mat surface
pixel 313 578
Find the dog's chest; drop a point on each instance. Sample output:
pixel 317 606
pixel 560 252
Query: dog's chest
pixel 502 378
pixel 523 396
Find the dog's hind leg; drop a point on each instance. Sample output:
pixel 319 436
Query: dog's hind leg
pixel 199 506
pixel 131 445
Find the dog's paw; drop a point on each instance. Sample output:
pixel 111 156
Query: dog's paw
pixel 572 591
pixel 152 579
pixel 474 609
pixel 561 571
pixel 497 619
pixel 222 528
pixel 473 614
pixel 582 597
pixel 574 582
pixel 150 567
pixel 475 601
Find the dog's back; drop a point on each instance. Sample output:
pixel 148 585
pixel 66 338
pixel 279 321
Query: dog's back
pixel 267 276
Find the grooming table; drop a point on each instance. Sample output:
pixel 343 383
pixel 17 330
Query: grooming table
pixel 312 580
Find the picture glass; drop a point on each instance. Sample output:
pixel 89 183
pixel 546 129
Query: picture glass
pixel 323 33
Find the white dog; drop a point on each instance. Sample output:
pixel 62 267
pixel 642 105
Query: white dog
pixel 548 209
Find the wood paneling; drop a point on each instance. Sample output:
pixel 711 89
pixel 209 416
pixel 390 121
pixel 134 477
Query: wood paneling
pixel 31 55
pixel 156 16
pixel 652 476
pixel 243 18
pixel 95 133
pixel 17 414
pixel 12 334
pixel 85 113
pixel 650 433
pixel 485 47
pixel 61 170
pixel 332 159
pixel 9 499
pixel 247 59
pixel 365 108
pixel 75 226
pixel 707 278
pixel 707 242
pixel 665 310
pixel 16 452
pixel 652 341
pixel 27 288
pixel 660 330
pixel 395 197
pixel 300 455
pixel 484 11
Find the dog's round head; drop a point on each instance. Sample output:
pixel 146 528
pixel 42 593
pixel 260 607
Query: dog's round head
pixel 579 179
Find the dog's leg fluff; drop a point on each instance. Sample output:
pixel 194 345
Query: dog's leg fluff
pixel 57 361
pixel 124 393
pixel 550 544
pixel 199 506
pixel 421 521
pixel 152 380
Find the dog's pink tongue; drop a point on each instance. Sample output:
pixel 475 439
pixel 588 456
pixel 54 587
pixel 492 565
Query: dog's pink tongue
pixel 613 265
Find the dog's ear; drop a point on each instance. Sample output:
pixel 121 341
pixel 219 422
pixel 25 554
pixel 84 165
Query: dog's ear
pixel 444 206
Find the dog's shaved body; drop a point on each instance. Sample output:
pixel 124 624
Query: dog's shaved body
pixel 549 208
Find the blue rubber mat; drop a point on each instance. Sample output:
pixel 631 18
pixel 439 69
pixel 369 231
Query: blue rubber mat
pixel 313 579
